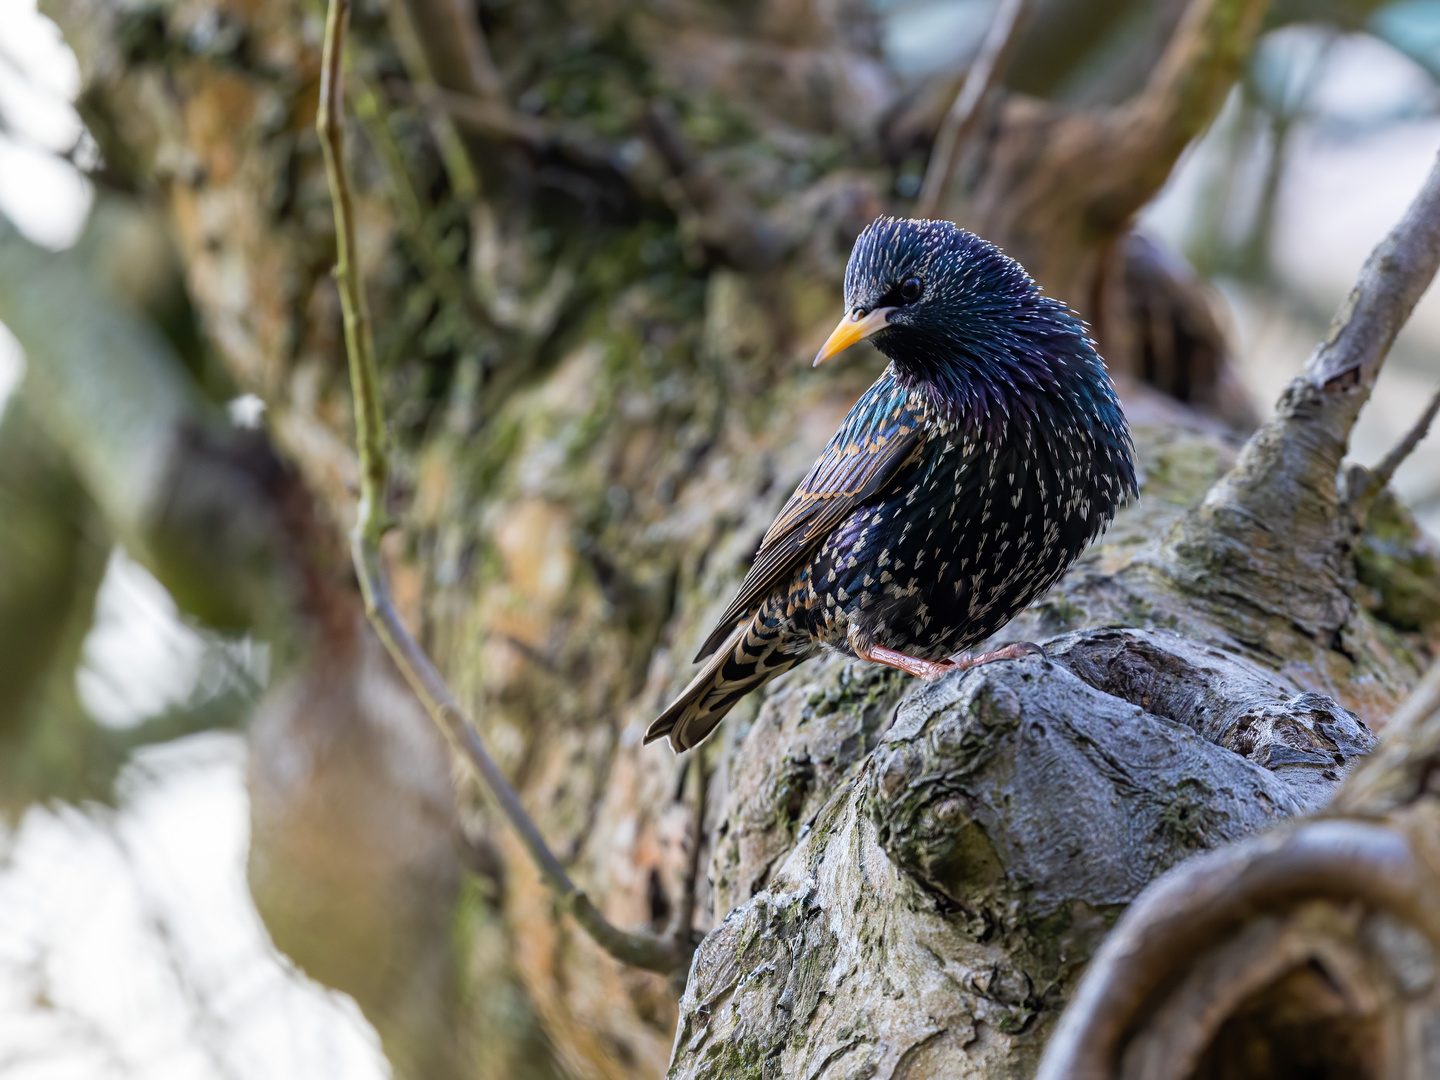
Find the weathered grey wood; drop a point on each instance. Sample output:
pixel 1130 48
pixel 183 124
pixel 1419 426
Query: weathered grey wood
pixel 1274 532
pixel 1308 739
pixel 944 897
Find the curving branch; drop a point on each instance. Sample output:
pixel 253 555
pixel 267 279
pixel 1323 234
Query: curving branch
pixel 1052 167
pixel 986 73
pixel 1187 910
pixel 1184 92
pixel 668 956
pixel 1058 187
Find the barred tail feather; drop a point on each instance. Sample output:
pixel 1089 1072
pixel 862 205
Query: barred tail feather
pixel 748 659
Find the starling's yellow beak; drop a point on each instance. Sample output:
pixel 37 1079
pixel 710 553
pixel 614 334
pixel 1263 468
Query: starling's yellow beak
pixel 853 327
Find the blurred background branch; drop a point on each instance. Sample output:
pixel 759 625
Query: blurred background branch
pixel 986 72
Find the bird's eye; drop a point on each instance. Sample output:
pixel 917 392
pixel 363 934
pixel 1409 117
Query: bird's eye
pixel 910 289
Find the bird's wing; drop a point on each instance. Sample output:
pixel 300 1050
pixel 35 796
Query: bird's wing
pixel 881 435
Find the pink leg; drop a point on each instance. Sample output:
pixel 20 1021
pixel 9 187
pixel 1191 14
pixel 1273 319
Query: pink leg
pixel 933 669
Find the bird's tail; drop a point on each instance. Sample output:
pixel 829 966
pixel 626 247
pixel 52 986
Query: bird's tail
pixel 748 659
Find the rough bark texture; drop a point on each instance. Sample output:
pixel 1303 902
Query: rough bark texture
pixel 936 910
pixel 1309 950
pixel 602 241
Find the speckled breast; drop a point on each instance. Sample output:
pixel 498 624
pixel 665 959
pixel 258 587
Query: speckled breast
pixel 961 541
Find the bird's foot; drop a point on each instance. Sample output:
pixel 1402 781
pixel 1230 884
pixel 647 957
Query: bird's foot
pixel 1009 652
pixel 925 669
pixel 930 670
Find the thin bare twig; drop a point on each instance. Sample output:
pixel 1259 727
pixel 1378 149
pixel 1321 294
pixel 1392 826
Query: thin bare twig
pixel 640 950
pixel 966 112
pixel 371 521
pixel 1383 473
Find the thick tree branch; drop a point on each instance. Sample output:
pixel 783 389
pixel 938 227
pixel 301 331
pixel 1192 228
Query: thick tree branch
pixel 1194 74
pixel 986 73
pixel 1058 187
pixel 1052 168
pixel 1204 899
pixel 1258 526
pixel 1270 529
pixel 1198 906
pixel 640 950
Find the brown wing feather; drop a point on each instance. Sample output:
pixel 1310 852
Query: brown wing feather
pixel 863 457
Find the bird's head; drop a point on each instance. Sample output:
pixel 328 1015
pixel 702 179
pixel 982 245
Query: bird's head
pixel 965 324
pixel 890 281
pixel 954 311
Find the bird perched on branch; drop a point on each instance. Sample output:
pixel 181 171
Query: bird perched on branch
pixel 960 487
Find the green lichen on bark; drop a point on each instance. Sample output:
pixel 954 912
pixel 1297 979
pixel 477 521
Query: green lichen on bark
pixel 1398 566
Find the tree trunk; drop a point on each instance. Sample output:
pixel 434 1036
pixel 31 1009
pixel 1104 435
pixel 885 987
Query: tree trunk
pixel 601 244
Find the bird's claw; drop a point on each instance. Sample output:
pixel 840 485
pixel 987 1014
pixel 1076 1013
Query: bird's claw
pixel 1015 651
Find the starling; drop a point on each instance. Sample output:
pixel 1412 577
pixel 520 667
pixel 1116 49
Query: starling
pixel 960 487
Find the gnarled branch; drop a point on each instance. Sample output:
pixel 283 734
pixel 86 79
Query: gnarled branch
pixel 1204 899
pixel 1285 483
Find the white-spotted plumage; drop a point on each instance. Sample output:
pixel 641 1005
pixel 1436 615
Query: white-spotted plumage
pixel 962 485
